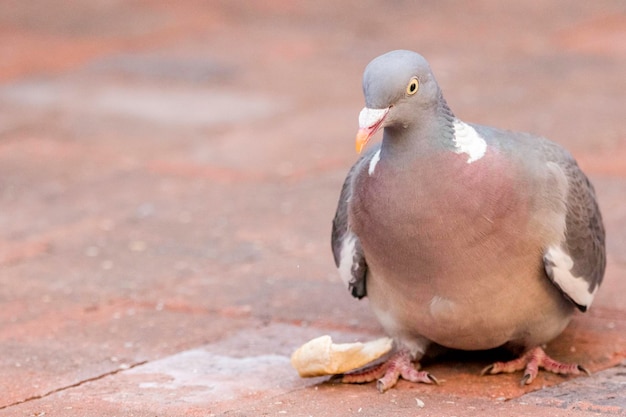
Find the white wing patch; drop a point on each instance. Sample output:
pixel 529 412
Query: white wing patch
pixel 576 288
pixel 373 162
pixel 467 140
pixel 346 258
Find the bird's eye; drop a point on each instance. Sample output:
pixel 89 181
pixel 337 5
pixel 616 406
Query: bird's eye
pixel 412 87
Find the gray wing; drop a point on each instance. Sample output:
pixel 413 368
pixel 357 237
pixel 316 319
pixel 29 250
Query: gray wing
pixel 347 250
pixel 583 251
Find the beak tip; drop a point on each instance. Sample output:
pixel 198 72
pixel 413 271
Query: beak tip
pixel 362 137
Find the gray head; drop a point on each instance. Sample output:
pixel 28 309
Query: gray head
pixel 386 79
pixel 400 90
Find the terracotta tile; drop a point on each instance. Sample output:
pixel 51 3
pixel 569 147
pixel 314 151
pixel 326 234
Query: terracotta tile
pixel 169 171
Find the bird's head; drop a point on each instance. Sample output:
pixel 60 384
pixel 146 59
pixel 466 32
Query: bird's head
pixel 399 89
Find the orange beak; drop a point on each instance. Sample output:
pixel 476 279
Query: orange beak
pixel 370 120
pixel 362 137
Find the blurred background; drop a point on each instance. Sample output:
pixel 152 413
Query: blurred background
pixel 169 170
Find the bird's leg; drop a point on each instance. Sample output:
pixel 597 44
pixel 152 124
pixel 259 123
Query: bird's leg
pixel 387 373
pixel 531 361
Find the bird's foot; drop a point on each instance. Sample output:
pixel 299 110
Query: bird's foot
pixel 530 362
pixel 387 373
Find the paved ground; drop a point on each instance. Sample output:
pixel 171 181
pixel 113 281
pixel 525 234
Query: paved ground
pixel 168 172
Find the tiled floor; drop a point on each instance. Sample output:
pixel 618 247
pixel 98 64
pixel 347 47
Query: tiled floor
pixel 169 170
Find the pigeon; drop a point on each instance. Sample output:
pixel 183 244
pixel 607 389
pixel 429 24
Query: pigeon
pixel 461 235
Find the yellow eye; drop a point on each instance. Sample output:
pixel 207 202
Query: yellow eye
pixel 412 87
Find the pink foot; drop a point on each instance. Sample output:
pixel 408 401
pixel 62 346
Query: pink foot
pixel 388 373
pixel 531 361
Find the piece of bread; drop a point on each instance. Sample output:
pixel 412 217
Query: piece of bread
pixel 321 356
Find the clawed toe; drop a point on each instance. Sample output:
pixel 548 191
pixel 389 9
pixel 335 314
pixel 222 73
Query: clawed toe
pixel 487 370
pixel 388 373
pixel 526 379
pixel 583 369
pixel 432 379
pixel 530 362
pixel 399 366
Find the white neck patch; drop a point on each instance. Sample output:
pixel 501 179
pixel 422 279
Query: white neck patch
pixel 467 140
pixel 373 162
